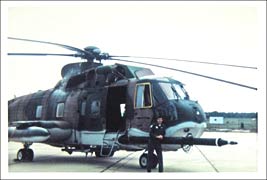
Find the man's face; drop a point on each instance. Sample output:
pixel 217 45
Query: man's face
pixel 159 120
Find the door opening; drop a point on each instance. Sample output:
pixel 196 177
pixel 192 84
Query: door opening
pixel 116 109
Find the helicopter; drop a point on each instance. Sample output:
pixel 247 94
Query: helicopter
pixel 102 109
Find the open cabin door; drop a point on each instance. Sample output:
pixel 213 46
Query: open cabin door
pixel 115 109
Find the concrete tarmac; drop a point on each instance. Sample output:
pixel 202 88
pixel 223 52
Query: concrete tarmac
pixel 229 158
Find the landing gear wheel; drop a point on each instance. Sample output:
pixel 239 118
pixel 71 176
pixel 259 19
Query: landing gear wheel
pixel 143 160
pixel 21 155
pixel 29 155
pixel 25 155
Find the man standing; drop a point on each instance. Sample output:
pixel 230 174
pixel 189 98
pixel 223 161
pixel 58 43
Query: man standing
pixel 156 134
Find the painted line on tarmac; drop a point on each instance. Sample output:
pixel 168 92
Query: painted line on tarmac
pixel 123 163
pixel 110 166
pixel 207 160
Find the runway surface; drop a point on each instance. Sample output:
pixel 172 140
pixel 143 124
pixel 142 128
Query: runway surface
pixel 230 158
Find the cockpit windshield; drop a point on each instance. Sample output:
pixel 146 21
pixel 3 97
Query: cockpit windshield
pixel 173 91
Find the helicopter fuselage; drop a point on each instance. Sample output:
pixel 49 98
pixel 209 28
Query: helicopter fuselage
pixel 75 114
pixel 102 109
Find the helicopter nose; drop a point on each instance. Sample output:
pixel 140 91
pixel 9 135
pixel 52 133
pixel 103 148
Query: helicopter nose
pixel 181 111
pixel 194 111
pixel 199 114
pixel 191 120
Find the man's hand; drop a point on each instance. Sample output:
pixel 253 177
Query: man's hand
pixel 159 137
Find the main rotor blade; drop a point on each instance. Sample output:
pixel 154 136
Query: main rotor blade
pixel 190 61
pixel 42 54
pixel 187 72
pixel 56 44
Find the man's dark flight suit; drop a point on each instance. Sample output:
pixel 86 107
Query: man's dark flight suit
pixel 155 143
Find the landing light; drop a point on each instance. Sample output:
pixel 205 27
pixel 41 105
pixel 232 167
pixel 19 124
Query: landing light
pixel 186 129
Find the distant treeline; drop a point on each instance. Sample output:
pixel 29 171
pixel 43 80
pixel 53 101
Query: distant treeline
pixel 231 114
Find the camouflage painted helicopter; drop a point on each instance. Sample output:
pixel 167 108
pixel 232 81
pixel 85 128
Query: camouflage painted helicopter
pixel 103 109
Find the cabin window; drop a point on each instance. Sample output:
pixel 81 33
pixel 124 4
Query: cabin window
pixel 38 112
pixel 60 110
pixel 95 107
pixel 83 108
pixel 143 96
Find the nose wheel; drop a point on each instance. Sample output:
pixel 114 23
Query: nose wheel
pixel 143 160
pixel 25 154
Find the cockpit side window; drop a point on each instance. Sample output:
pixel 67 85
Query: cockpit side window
pixel 143 96
pixel 173 91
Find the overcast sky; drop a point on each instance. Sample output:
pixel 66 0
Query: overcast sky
pixel 220 32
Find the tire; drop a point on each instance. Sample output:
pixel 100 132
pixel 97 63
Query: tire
pixel 143 160
pixel 29 154
pixel 21 155
pixel 25 155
